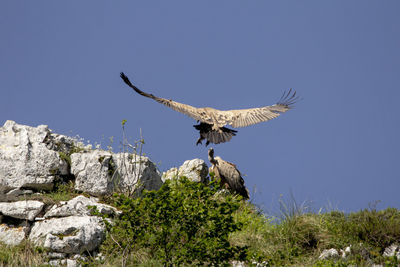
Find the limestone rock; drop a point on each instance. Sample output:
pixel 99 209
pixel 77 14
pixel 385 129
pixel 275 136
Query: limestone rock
pixel 195 170
pixel 22 209
pixel 72 263
pixel 329 253
pixel 12 235
pixel 64 262
pixel 71 235
pixel 56 255
pixel 25 159
pixel 346 251
pixel 170 174
pixel 18 192
pixel 66 144
pixel 392 250
pixel 136 172
pixel 100 172
pixel 78 206
pixel 93 172
pixel 238 264
pixel 32 158
pixel 55 262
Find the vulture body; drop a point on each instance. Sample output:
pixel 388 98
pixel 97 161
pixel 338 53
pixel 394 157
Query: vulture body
pixel 228 174
pixel 212 121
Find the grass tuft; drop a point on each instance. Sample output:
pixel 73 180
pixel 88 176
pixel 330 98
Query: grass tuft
pixel 25 254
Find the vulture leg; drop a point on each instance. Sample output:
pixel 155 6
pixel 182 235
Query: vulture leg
pixel 203 128
pixel 201 138
pixel 221 135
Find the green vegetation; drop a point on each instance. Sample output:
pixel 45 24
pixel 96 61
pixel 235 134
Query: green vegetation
pixel 182 223
pixel 66 157
pixel 65 153
pixel 61 192
pixel 24 254
pixel 300 238
pixel 191 224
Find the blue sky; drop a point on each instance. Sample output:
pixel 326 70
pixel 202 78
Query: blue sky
pixel 60 65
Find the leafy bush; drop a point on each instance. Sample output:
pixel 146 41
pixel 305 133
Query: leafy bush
pixel 182 223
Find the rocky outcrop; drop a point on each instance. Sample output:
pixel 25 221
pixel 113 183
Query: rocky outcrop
pixel 93 172
pixel 12 236
pixel 70 235
pixel 78 206
pixel 25 159
pixel 25 210
pixel 65 229
pixel 34 159
pixel 195 170
pixel 136 172
pixel 101 172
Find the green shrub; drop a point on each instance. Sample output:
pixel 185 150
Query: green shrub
pixel 182 223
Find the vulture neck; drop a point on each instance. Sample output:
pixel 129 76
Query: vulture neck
pixel 212 159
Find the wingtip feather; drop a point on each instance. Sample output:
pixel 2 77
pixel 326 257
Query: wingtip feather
pixel 126 79
pixel 288 99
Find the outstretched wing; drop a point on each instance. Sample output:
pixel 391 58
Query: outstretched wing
pixel 246 117
pixel 235 118
pixel 182 108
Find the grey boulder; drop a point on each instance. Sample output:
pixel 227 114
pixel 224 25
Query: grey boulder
pixel 93 172
pixel 329 253
pixel 100 172
pixel 12 235
pixel 136 173
pixel 25 209
pixel 78 206
pixel 71 235
pixel 25 159
pixel 195 170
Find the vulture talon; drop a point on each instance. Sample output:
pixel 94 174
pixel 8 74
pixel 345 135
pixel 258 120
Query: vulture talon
pixel 199 141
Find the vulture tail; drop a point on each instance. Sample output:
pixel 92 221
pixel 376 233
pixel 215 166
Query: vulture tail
pixel 214 136
pixel 244 192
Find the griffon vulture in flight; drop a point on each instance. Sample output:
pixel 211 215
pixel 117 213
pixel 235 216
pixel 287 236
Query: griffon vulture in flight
pixel 212 121
pixel 228 174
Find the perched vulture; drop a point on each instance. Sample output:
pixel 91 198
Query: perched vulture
pixel 228 174
pixel 212 121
